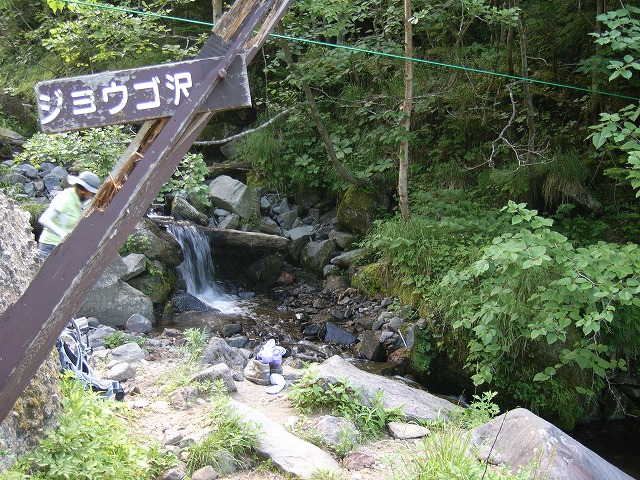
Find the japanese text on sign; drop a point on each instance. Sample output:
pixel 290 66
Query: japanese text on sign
pixel 134 95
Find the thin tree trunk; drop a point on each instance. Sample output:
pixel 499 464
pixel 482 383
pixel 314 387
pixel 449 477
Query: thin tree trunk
pixel 594 105
pixel 315 116
pixel 406 121
pixel 526 91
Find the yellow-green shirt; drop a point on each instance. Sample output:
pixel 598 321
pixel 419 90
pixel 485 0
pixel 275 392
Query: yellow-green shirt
pixel 68 210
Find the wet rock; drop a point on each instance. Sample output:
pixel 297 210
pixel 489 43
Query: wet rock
pixel 335 334
pixel 155 244
pixel 138 324
pixel 185 302
pixel 181 209
pixel 369 347
pixel 346 259
pixel 230 222
pixel 315 255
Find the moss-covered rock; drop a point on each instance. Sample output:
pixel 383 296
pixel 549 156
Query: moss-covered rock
pixel 357 210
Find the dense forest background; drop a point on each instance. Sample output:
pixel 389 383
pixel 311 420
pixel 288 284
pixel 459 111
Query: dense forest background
pixel 518 147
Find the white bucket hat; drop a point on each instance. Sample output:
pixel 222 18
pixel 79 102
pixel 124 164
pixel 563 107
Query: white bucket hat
pixel 87 180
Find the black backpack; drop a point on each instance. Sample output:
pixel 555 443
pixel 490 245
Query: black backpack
pixel 75 356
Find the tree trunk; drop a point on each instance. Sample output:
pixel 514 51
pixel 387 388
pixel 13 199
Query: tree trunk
pixel 526 91
pixel 406 121
pixel 315 115
pixel 594 105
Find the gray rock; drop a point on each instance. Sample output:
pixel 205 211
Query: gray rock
pixel 406 431
pixel 139 324
pixel 346 259
pixel 233 195
pixel 230 222
pixel 369 347
pixel 395 323
pixel 174 473
pixel 416 404
pixel 299 238
pixel 294 456
pixel 267 225
pixel 265 271
pixel 282 207
pixel 336 334
pixel 129 352
pixel 27 170
pixel 336 282
pixel 204 473
pixel 218 351
pixel 337 430
pixel 286 219
pixel 342 239
pixel 316 255
pixel 219 371
pixel 521 438
pixel 121 372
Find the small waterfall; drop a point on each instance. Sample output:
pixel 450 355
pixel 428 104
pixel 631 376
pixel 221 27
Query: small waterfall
pixel 197 269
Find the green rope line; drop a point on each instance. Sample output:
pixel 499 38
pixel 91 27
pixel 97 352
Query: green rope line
pixel 370 52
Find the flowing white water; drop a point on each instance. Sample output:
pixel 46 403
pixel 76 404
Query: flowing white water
pixel 198 270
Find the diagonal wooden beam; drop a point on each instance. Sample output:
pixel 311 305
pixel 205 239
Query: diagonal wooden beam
pixel 31 325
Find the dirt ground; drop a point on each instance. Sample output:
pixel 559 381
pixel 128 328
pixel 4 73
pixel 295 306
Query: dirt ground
pixel 154 419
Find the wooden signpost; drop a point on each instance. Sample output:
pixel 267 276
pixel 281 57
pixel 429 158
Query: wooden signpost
pixel 31 325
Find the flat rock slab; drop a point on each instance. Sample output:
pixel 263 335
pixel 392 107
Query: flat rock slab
pixel 415 403
pixel 524 439
pixel 294 456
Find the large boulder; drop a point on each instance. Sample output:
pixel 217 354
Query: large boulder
pixel 234 196
pixel 357 210
pixel 415 403
pixel 520 438
pixel 316 255
pixel 154 243
pixel 37 409
pixel 112 301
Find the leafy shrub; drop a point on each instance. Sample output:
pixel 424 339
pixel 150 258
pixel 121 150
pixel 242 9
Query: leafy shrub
pixel 118 338
pixel 90 441
pixel 189 177
pixel 95 149
pixel 534 286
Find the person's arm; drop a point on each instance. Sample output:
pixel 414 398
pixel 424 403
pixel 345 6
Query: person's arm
pixel 46 220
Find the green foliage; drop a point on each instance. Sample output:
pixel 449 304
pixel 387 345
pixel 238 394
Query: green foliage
pixel 535 287
pixel 189 178
pixel 89 40
pixel 313 393
pixel 90 441
pixel 195 342
pixel 447 454
pixel 481 411
pixel 446 230
pixel 231 437
pixel 119 337
pixel 95 149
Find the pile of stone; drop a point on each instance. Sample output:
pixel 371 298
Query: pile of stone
pixel 39 184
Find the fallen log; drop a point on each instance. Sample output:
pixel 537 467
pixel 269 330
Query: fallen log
pixel 224 237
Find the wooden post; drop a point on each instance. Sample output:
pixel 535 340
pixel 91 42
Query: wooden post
pixel 31 325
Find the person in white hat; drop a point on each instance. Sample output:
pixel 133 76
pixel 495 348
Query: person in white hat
pixel 65 210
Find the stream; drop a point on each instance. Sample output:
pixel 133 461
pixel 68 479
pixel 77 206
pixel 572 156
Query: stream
pixel 262 318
